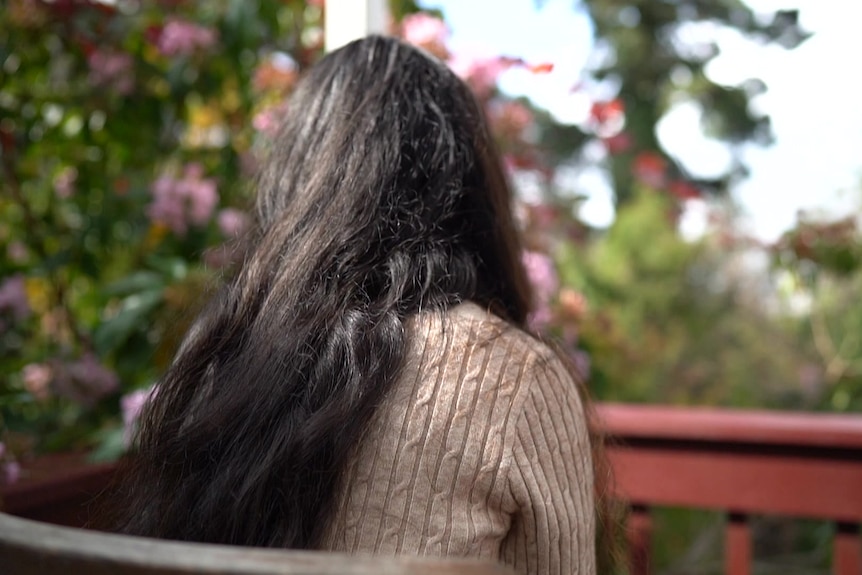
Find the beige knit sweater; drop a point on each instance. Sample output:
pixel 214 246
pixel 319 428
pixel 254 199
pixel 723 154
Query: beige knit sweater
pixel 480 450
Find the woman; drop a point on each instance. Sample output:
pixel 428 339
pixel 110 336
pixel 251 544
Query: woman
pixel 366 383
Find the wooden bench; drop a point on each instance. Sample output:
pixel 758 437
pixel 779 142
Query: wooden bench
pixel 34 548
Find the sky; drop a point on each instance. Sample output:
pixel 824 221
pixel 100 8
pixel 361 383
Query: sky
pixel 815 164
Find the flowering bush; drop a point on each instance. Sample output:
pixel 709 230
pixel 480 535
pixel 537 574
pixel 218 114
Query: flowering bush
pixel 128 134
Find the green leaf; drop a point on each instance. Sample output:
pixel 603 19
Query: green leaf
pixel 136 282
pixel 133 313
pixel 111 446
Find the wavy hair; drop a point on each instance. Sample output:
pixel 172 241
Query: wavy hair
pixel 382 197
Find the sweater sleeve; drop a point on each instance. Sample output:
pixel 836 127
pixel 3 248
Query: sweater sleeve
pixel 551 479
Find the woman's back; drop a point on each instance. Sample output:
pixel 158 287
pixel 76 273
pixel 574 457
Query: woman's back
pixel 337 393
pixel 480 450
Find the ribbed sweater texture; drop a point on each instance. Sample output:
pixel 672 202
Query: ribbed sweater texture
pixel 480 450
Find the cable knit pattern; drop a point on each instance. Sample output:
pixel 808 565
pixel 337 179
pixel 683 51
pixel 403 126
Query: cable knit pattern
pixel 480 450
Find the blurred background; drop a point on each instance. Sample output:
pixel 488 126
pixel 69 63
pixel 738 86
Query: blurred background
pixel 687 177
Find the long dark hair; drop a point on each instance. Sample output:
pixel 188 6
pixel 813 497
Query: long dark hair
pixel 382 197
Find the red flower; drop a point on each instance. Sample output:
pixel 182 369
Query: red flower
pixel 604 112
pixel 543 68
pixel 683 190
pixel 649 169
pixel 618 143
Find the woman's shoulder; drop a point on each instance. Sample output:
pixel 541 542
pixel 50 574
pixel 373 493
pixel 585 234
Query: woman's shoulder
pixel 471 352
pixel 470 328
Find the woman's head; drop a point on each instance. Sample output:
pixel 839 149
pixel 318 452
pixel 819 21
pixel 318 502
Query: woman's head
pixel 382 197
pixel 384 155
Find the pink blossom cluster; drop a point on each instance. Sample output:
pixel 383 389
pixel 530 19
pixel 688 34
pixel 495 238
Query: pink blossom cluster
pixel 426 31
pixel 112 70
pixel 84 380
pixel 268 120
pixel 543 276
pixel 480 72
pixel 131 405
pixel 13 299
pixel 510 118
pixel 430 33
pixel 178 202
pixel 232 222
pixel 182 38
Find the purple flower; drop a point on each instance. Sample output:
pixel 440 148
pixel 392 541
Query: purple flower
pixel 113 70
pixel 11 472
pixel 543 277
pixel 542 274
pixel 181 38
pixel 85 380
pixel 13 297
pixel 131 405
pixel 180 202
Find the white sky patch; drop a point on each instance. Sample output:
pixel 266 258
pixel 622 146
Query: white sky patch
pixel 598 208
pixel 694 221
pixel 680 133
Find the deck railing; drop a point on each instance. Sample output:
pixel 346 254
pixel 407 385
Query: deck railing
pixel 743 463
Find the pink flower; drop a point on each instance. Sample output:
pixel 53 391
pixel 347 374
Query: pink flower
pixel 182 38
pixel 422 28
pixel 232 222
pixel 543 277
pixel 268 120
pixel 64 182
pixel 17 252
pixel 427 32
pixel 111 70
pixel 542 274
pixel 131 406
pixel 180 202
pixel 37 379
pixel 510 119
pixel 13 297
pixel 481 73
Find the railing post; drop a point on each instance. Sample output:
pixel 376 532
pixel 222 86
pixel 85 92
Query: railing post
pixel 639 536
pixel 348 20
pixel 738 545
pixel 847 553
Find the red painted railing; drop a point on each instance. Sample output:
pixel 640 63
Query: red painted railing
pixel 743 463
